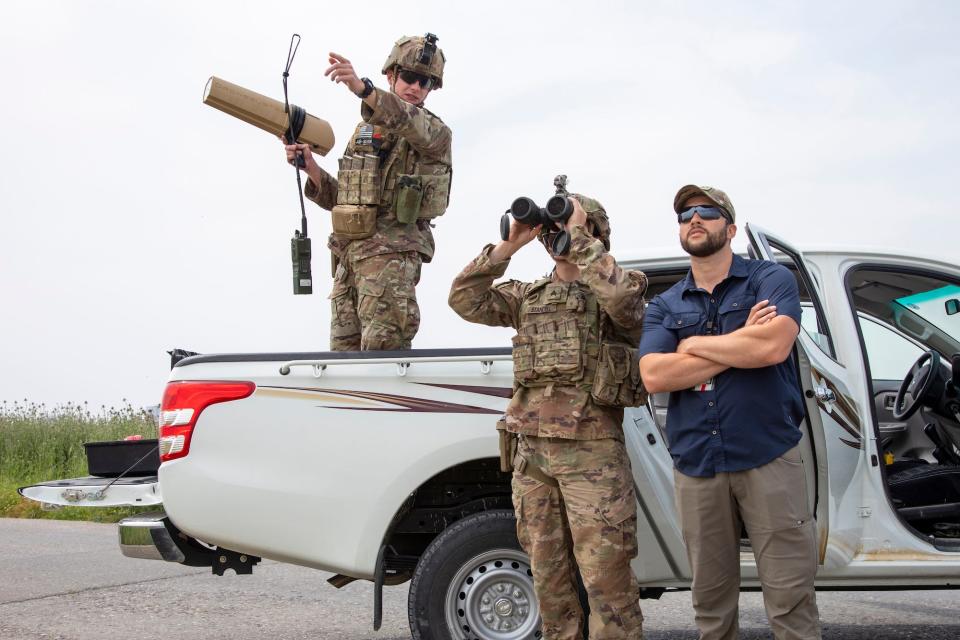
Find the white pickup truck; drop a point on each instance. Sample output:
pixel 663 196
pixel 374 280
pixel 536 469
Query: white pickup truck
pixel 383 466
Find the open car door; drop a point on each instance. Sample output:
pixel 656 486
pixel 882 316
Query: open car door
pixel 822 379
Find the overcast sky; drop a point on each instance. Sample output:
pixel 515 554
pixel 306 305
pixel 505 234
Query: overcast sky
pixel 136 219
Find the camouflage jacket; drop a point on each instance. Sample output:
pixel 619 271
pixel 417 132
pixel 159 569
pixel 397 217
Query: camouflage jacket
pixel 556 411
pixel 428 141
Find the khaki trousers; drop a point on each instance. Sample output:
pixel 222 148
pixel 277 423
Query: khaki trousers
pixel 771 501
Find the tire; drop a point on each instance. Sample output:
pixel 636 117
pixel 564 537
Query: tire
pixel 474 583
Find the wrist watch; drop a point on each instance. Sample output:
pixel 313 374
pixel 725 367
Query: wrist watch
pixel 367 88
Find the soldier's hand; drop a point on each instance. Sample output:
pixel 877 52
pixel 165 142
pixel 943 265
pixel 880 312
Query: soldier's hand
pixel 520 234
pixel 579 216
pixel 341 70
pixel 311 167
pixel 761 313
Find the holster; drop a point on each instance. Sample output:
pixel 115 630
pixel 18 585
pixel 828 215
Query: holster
pixel 508 446
pixel 512 460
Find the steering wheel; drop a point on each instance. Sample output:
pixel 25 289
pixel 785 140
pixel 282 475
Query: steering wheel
pixel 916 385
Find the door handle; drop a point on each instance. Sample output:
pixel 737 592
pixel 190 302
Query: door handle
pixel 825 395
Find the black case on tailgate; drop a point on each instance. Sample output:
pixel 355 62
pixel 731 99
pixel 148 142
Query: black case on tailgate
pixel 110 459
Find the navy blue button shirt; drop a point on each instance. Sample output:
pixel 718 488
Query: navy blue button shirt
pixel 746 417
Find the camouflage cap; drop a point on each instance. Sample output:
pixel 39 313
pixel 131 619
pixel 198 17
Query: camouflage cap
pixel 597 215
pixel 714 195
pixel 407 53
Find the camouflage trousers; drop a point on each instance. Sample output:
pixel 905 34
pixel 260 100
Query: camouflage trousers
pixel 588 522
pixel 373 305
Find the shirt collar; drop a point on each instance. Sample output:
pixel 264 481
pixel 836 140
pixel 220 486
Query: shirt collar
pixel 738 269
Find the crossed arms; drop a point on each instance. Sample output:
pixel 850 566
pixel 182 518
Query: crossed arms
pixel 765 339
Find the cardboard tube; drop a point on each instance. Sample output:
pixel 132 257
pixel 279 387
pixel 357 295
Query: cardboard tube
pixel 265 113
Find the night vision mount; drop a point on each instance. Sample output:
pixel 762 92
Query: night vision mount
pixel 429 49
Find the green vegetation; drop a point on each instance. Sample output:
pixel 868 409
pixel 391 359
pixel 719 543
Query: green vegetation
pixel 40 443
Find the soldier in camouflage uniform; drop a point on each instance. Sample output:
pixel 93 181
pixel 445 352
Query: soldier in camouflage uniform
pixel 393 179
pixel 574 370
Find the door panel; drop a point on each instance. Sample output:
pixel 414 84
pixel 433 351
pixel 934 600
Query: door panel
pixel 821 377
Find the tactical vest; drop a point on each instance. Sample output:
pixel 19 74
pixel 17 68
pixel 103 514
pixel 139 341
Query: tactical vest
pixel 566 339
pixel 382 175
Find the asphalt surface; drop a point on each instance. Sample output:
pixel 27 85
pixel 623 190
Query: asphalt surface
pixel 68 581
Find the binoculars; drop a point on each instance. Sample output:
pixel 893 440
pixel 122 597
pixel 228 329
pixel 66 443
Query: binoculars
pixel 526 211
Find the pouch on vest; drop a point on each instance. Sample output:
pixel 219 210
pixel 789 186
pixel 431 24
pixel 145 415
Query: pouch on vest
pixel 523 359
pixel 617 382
pixel 508 445
pixel 436 194
pixel 547 359
pixel 433 195
pixel 557 359
pixel 409 198
pixel 354 221
pixel 358 180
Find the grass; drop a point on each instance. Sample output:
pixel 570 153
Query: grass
pixel 40 443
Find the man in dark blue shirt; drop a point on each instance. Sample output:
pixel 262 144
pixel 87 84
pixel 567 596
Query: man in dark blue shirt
pixel 720 342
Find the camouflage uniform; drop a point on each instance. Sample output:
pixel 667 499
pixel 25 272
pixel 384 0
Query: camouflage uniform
pixel 374 302
pixel 589 519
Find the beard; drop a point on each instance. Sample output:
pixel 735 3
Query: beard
pixel 706 245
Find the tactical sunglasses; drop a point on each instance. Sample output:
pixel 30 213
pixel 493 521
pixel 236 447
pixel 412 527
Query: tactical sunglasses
pixel 412 77
pixel 706 213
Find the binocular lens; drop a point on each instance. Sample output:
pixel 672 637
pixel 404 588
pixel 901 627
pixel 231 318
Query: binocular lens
pixel 525 211
pixel 559 208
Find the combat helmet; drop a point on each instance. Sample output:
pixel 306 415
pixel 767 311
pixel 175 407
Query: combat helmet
pixel 598 216
pixel 419 54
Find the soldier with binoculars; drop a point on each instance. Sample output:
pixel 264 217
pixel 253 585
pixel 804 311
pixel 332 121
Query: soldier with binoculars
pixel 575 369
pixel 393 180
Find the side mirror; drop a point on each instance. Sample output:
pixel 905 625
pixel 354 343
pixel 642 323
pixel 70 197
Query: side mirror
pixel 952 306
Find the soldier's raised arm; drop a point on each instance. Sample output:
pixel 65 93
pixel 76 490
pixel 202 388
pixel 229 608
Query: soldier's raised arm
pixel 414 68
pixel 619 291
pixel 476 299
pixel 474 296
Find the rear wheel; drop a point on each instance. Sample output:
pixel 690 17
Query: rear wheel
pixel 474 583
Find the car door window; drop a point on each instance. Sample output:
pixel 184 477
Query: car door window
pixel 889 353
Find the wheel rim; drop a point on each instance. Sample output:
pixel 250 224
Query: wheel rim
pixel 491 597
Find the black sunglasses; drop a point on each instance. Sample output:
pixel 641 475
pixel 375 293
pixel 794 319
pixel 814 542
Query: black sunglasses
pixel 705 212
pixel 412 77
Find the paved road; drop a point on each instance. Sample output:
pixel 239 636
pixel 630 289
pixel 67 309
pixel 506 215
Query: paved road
pixel 68 581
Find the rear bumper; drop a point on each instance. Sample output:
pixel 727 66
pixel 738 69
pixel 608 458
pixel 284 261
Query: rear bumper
pixel 151 536
pixel 146 536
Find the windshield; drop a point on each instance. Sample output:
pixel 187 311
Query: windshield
pixel 929 309
pixel 913 302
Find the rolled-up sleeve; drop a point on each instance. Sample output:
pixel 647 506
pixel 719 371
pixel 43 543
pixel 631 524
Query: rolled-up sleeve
pixel 777 284
pixel 656 338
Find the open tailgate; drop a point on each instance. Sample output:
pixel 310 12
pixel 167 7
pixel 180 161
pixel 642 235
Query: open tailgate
pixel 94 491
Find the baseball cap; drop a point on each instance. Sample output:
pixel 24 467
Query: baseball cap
pixel 714 195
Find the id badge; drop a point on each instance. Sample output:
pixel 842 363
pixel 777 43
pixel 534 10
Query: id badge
pixel 704 386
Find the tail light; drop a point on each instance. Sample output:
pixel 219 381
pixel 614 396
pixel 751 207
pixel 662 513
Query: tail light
pixel 183 401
